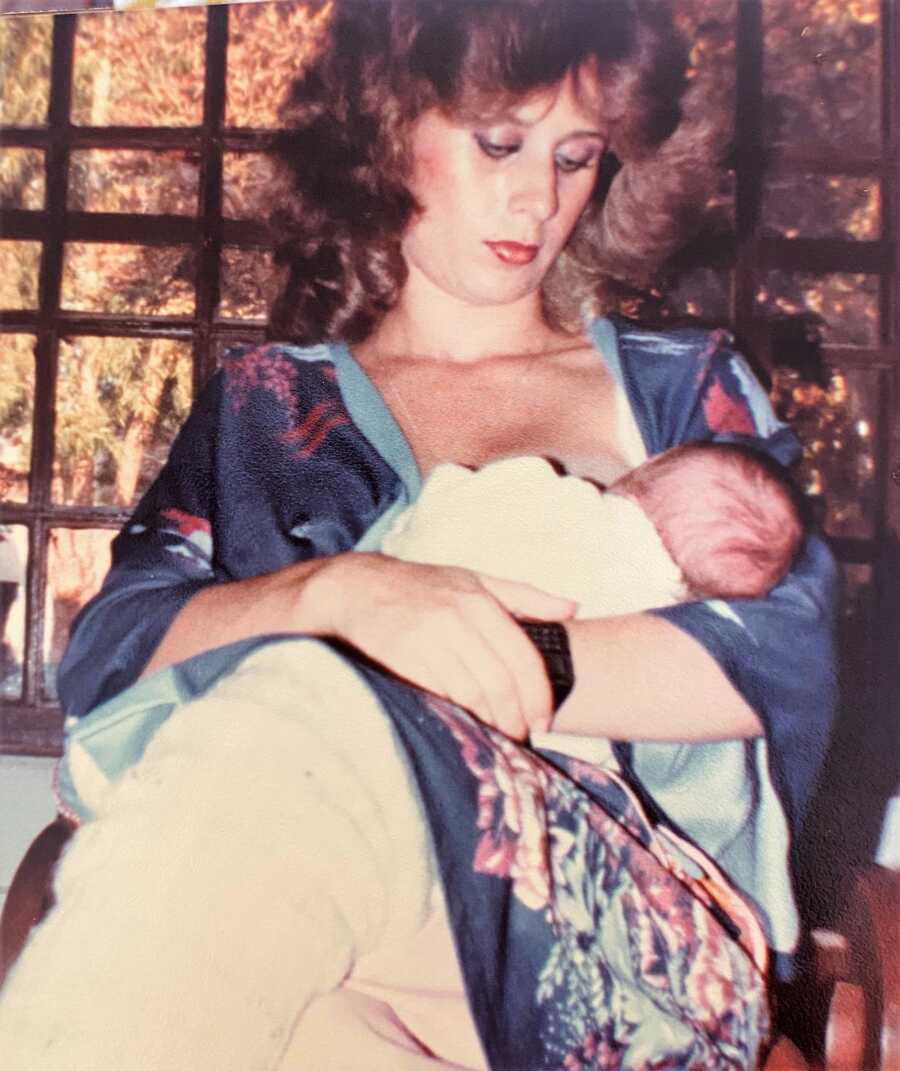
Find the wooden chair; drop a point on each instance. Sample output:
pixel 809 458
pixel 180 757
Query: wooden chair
pixel 856 974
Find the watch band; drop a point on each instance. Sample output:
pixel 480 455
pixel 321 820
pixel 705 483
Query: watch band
pixel 552 641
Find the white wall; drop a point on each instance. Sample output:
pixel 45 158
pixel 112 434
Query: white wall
pixel 26 806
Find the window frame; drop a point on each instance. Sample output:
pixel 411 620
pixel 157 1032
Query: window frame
pixel 32 724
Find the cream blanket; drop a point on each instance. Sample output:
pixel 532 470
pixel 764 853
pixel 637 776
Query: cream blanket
pixel 520 520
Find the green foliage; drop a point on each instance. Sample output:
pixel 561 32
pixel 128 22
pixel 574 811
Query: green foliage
pixel 25 70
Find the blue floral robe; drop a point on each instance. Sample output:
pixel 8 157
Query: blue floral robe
pixel 578 950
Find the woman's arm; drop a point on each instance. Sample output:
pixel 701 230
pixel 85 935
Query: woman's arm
pixel 160 560
pixel 247 532
pixel 775 656
pixel 639 677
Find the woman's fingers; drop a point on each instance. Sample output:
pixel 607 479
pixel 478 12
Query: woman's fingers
pixel 447 630
pixel 478 682
pixel 476 656
pixel 523 600
pixel 518 693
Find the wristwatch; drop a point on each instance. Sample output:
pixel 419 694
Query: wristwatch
pixel 552 642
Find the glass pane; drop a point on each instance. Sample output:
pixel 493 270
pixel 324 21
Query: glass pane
pixel 703 292
pixel 709 26
pixel 133 180
pixel 822 65
pixel 822 206
pixel 77 562
pixel 16 415
pixel 139 68
pixel 13 562
pixel 245 175
pixel 25 69
pixel 246 275
pixel 845 304
pixel 21 178
pixel 19 266
pixel 267 46
pixel 835 423
pixel 151 280
pixel 119 404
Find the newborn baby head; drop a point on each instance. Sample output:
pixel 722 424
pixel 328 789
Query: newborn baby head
pixel 728 516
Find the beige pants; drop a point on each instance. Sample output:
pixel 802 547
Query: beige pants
pixel 269 847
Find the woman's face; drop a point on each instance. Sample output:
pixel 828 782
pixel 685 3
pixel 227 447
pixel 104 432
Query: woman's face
pixel 500 199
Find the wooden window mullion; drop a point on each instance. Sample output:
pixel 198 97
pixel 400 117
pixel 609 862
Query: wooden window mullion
pixel 749 163
pixel 209 253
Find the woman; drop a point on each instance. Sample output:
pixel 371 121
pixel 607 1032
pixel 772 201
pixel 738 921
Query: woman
pixel 320 813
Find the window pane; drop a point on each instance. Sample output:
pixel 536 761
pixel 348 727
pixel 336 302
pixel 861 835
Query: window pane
pixel 822 64
pixel 133 180
pixel 77 562
pixel 244 176
pixel 836 424
pixel 16 415
pixel 13 559
pixel 152 280
pixel 139 68
pixel 19 266
pixel 709 26
pixel 21 178
pixel 246 279
pixel 25 69
pixel 119 404
pixel 822 206
pixel 847 305
pixel 267 45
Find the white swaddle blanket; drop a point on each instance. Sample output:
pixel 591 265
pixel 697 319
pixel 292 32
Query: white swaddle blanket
pixel 521 520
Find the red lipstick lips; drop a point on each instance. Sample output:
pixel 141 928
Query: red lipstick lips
pixel 513 252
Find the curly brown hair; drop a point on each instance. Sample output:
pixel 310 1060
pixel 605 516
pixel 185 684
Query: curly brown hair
pixel 343 199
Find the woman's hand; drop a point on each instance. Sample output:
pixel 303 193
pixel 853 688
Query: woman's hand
pixel 447 630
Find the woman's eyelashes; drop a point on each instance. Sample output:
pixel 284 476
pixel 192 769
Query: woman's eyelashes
pixel 567 160
pixel 577 161
pixel 496 150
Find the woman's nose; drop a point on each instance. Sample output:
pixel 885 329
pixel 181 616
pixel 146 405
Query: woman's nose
pixel 536 193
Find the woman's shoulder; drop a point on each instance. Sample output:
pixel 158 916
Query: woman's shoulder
pixel 242 358
pixel 682 342
pixel 274 375
pixel 688 382
pixel 680 361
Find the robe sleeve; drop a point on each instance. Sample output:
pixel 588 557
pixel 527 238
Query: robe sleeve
pixel 778 651
pixel 160 559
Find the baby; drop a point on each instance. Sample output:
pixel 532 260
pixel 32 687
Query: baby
pixel 700 521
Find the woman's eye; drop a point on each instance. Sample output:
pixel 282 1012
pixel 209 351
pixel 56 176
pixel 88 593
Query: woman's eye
pixel 575 163
pixel 496 150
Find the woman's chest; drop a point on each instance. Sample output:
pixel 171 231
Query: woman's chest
pixel 573 415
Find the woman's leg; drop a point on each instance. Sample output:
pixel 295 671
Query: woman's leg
pixel 270 835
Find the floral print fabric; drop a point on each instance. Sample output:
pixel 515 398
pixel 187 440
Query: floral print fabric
pixel 584 940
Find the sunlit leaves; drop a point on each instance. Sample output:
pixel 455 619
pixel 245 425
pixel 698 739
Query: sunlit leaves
pixel 133 180
pixel 139 68
pixel 119 403
pixel 124 278
pixel 19 265
pixel 821 70
pixel 16 409
pixel 25 70
pixel 267 46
